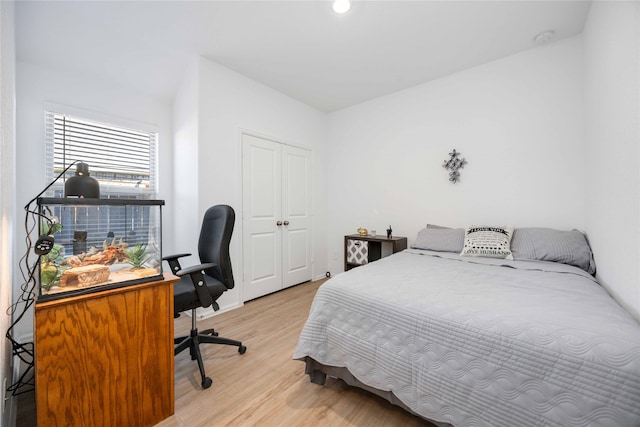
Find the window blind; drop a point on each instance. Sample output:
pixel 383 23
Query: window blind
pixel 122 160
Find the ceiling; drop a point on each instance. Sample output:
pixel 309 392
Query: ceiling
pixel 297 47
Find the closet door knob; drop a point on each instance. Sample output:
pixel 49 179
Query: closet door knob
pixel 286 223
pixel 279 223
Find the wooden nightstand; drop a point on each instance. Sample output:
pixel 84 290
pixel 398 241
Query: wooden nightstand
pixel 360 250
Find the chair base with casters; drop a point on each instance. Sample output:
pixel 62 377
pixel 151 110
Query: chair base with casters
pixel 193 341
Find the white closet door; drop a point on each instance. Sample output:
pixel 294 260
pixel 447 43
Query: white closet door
pixel 262 209
pixel 276 188
pixel 296 214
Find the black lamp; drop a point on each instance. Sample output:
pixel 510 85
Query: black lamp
pixel 82 185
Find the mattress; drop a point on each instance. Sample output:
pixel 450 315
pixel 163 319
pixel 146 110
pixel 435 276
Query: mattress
pixel 481 342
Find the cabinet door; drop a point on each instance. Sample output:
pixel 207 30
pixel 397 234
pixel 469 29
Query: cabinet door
pixel 106 359
pixel 262 210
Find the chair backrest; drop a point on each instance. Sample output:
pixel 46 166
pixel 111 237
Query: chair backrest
pixel 213 244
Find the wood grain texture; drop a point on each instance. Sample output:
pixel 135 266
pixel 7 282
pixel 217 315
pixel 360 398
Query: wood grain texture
pixel 106 359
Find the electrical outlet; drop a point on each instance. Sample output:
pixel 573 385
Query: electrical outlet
pixel 4 395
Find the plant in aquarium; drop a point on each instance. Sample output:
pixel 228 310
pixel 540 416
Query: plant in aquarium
pixel 51 267
pixel 137 255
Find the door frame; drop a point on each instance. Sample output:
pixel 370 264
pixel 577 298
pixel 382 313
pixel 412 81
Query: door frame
pixel 240 224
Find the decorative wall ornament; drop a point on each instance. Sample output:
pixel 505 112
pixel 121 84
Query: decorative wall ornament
pixel 453 164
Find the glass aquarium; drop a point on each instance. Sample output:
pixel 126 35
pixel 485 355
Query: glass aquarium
pixel 98 244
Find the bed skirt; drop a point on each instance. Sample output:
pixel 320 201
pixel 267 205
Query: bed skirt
pixel 318 375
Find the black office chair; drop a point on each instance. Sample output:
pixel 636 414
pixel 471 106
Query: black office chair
pixel 201 285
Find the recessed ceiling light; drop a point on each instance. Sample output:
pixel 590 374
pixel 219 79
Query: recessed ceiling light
pixel 341 6
pixel 544 37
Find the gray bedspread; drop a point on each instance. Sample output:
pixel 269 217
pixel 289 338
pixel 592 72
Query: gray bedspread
pixel 481 342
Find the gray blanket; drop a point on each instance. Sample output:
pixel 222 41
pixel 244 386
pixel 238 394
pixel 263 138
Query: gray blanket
pixel 481 342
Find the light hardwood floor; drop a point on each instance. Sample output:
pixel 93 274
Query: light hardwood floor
pixel 264 386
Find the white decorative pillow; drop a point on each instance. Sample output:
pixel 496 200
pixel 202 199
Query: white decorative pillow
pixel 489 242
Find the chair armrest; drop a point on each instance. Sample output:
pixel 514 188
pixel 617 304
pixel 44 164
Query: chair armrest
pixel 176 256
pixel 199 283
pixel 174 264
pixel 195 268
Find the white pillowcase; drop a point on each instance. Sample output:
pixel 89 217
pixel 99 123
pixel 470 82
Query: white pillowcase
pixel 488 241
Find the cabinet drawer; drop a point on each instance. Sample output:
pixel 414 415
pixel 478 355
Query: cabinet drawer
pixel 357 251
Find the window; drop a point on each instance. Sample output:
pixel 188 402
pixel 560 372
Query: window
pixel 122 160
pixel 124 163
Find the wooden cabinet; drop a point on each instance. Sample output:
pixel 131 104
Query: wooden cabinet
pixel 106 358
pixel 360 250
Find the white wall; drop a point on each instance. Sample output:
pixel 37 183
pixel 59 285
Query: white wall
pixel 612 117
pixel 37 87
pixel 228 104
pixel 517 121
pixel 185 162
pixel 8 188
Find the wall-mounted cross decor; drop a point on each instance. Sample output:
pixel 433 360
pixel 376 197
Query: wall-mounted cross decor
pixel 453 164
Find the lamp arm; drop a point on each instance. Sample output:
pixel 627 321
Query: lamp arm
pixel 26 207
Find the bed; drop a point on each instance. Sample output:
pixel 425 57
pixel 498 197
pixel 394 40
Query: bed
pixel 476 341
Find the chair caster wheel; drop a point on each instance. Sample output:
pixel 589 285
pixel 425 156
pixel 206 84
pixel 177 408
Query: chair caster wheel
pixel 242 349
pixel 206 383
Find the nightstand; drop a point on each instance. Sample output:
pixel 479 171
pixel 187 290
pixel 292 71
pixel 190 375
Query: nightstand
pixel 360 250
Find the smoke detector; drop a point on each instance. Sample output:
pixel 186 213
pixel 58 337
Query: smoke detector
pixel 544 37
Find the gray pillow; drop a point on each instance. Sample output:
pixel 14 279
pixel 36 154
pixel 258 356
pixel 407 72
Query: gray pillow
pixel 547 244
pixel 440 239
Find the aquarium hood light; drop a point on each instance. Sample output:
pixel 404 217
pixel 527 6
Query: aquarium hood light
pixel 82 185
